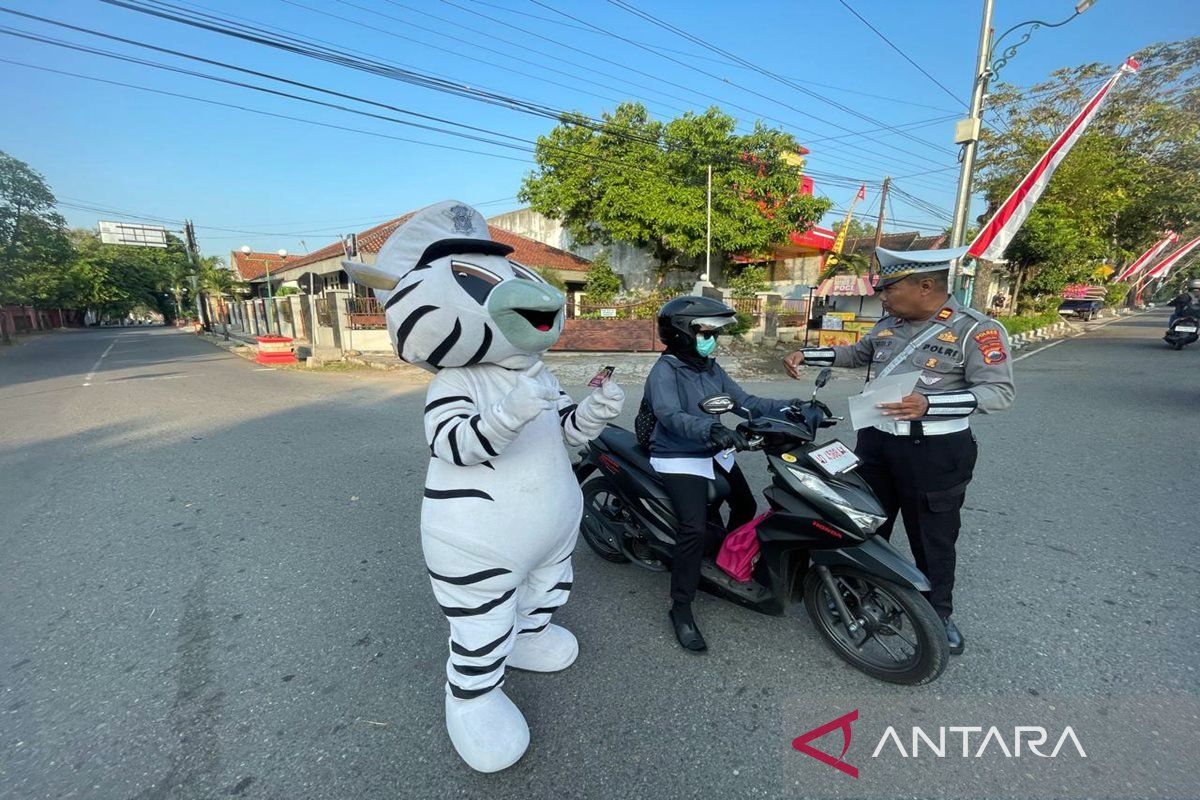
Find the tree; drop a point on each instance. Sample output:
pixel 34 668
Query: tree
pixel 1134 173
pixel 602 283
pixel 857 230
pixel 218 281
pixel 116 279
pixel 33 245
pixel 845 263
pixel 635 179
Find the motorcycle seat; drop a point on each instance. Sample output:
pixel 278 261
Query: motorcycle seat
pixel 625 445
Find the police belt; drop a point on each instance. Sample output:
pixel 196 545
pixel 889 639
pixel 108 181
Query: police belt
pixel 938 427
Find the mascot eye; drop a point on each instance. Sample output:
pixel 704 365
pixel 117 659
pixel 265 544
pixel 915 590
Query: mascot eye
pixel 475 281
pixel 524 272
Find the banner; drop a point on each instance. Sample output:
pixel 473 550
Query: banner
pixel 1011 215
pixel 1147 258
pixel 1164 268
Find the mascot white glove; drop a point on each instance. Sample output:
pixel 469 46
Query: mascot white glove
pixel 528 398
pixel 601 406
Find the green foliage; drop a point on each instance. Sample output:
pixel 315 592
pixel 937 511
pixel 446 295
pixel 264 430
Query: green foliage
pixel 1015 325
pixel 1114 294
pixel 284 291
pixel 33 245
pixel 1133 174
pixel 116 279
pixel 751 279
pixel 635 179
pixel 857 230
pixel 551 278
pixel 602 283
pixel 744 323
pixel 845 264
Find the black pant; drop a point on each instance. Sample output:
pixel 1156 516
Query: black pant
pixel 925 479
pixel 689 496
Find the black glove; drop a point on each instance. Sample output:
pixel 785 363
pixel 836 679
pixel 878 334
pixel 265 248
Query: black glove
pixel 724 438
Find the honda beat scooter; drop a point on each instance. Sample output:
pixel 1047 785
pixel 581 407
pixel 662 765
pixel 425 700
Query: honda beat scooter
pixel 1183 331
pixel 818 543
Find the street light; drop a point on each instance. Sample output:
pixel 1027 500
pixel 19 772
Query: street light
pixel 1010 51
pixel 968 130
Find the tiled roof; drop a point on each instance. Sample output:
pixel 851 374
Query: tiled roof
pixel 525 250
pixel 254 265
pixel 908 240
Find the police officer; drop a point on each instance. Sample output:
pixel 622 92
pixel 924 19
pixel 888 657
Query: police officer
pixel 920 460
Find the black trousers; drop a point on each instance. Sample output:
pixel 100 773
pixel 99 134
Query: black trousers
pixel 689 496
pixel 924 479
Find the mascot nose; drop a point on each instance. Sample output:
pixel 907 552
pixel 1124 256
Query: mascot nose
pixel 528 314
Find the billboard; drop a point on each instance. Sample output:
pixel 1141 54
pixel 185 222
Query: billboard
pixel 133 233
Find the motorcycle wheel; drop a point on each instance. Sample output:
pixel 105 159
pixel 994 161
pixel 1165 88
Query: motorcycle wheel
pixel 601 523
pixel 902 639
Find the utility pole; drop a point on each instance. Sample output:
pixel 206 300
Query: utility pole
pixel 194 257
pixel 887 182
pixel 708 232
pixel 967 134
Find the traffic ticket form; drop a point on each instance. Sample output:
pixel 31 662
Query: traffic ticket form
pixel 889 389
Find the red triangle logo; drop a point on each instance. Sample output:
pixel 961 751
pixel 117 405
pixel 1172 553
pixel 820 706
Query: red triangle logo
pixel 842 723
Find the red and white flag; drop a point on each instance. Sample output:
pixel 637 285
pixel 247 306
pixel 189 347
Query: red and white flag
pixel 1167 264
pixel 1011 215
pixel 1147 258
pixel 862 193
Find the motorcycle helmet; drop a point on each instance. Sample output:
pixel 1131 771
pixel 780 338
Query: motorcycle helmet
pixel 1194 284
pixel 681 318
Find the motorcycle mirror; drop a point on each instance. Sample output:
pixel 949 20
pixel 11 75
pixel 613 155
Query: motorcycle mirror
pixel 717 404
pixel 823 377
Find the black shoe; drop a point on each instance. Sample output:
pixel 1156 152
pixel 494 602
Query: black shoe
pixel 954 637
pixel 686 632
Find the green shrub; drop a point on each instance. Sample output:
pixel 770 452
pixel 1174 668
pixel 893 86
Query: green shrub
pixel 1115 294
pixel 1015 325
pixel 744 323
pixel 602 283
pixel 750 280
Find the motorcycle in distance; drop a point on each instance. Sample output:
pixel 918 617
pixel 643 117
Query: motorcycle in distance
pixel 818 543
pixel 1183 331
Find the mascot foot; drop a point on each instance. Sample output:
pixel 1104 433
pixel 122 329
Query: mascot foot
pixel 489 732
pixel 550 650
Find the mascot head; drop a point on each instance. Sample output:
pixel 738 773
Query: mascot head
pixel 452 296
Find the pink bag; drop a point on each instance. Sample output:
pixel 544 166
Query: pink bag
pixel 739 551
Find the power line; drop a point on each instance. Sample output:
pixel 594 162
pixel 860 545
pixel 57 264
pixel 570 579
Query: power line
pixel 903 54
pixel 741 87
pixel 625 6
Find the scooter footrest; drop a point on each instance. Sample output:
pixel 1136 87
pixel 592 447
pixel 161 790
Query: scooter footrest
pixel 753 591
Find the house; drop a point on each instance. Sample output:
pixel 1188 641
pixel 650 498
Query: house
pixel 861 299
pixel 326 263
pixel 253 268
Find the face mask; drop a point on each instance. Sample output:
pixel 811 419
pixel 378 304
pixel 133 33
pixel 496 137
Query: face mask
pixel 705 345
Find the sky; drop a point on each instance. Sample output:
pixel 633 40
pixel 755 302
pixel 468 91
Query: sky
pixel 253 168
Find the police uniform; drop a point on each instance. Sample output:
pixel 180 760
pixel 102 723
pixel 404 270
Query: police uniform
pixel 921 469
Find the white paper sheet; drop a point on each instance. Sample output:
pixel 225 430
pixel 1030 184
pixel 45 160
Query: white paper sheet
pixel 889 389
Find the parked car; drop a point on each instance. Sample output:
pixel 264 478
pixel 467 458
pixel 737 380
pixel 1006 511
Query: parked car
pixel 1083 309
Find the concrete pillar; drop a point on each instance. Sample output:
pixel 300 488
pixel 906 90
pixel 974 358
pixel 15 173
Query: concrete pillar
pixel 340 317
pixel 296 302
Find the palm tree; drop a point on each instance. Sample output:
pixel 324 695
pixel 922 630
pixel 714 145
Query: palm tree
pixel 217 280
pixel 844 263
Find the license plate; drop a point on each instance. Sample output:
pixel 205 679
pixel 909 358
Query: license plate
pixel 834 458
pixel 1185 329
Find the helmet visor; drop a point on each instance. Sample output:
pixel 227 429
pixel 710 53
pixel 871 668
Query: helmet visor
pixel 711 323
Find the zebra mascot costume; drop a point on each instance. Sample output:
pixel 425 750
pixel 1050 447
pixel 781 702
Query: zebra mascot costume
pixel 502 507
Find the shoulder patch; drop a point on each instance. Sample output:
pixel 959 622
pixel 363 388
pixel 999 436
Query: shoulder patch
pixel 991 346
pixel 885 333
pixel 945 314
pixel 947 336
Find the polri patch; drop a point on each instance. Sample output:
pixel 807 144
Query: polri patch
pixel 947 336
pixel 886 332
pixel 991 347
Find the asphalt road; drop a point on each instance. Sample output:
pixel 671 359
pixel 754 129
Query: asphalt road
pixel 211 585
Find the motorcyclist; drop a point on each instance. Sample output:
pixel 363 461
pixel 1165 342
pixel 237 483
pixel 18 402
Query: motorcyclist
pixel 1186 304
pixel 685 443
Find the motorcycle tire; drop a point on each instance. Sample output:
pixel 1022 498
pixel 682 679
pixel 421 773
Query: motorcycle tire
pixel 596 524
pixel 932 649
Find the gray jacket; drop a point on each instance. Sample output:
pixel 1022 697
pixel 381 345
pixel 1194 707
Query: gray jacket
pixel 675 390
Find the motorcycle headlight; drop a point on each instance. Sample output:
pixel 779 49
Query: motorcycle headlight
pixel 866 522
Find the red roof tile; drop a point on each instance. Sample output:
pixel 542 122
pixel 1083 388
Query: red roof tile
pixel 254 265
pixel 525 250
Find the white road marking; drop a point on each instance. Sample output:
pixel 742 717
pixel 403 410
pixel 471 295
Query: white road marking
pixel 87 379
pixel 265 369
pixel 149 378
pixel 1074 336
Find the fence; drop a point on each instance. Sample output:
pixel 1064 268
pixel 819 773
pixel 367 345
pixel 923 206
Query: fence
pixel 324 317
pixel 365 313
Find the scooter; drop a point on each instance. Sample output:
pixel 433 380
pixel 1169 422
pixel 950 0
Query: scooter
pixel 1183 331
pixel 818 543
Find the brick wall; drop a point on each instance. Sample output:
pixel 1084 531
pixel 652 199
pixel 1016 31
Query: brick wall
pixel 609 335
